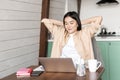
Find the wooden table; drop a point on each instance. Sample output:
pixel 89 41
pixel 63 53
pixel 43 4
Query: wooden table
pixel 60 76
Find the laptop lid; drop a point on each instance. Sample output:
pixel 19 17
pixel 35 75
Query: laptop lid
pixel 57 64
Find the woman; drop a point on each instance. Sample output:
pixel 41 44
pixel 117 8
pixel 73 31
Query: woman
pixel 70 39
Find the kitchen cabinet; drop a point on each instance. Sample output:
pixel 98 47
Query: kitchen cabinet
pixel 114 58
pixel 110 51
pixel 49 49
pixel 104 52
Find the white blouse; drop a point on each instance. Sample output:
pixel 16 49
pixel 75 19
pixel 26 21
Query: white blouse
pixel 69 51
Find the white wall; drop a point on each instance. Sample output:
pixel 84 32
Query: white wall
pixel 58 8
pixel 72 5
pixel 110 13
pixel 19 34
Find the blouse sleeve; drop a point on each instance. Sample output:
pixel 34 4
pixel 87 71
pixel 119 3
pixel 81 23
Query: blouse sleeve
pixel 92 28
pixel 52 25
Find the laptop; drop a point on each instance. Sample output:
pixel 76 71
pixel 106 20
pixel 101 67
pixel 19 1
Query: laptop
pixel 57 64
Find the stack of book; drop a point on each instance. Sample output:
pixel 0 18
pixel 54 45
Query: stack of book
pixel 24 72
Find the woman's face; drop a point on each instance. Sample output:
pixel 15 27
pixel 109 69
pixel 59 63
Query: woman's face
pixel 70 25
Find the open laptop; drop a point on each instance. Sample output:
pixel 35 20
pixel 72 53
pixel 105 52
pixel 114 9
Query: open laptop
pixel 57 64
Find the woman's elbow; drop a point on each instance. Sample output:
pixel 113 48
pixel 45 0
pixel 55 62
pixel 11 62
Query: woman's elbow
pixel 100 20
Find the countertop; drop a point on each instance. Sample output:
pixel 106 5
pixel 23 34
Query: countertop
pixel 108 38
pixel 103 38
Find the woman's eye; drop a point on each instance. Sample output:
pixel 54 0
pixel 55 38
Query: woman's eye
pixel 71 23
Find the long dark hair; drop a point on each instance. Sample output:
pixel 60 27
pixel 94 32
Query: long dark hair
pixel 75 16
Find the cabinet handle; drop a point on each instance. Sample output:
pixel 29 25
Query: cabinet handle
pixel 109 43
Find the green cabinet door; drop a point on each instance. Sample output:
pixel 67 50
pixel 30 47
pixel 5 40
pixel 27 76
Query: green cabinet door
pixel 104 52
pixel 49 49
pixel 111 56
pixel 114 60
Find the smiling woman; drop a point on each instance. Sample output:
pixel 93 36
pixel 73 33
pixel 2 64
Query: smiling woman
pixel 70 40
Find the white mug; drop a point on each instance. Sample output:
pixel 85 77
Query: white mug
pixel 93 65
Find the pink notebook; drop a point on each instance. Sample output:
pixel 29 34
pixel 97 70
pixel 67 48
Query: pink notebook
pixel 24 71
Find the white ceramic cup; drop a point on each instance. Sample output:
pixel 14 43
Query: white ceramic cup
pixel 93 65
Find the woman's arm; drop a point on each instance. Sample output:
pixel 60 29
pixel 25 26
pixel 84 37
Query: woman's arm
pixel 94 23
pixel 96 20
pixel 52 21
pixel 51 24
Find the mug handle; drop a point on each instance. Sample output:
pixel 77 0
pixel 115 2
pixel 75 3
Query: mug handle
pixel 98 64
